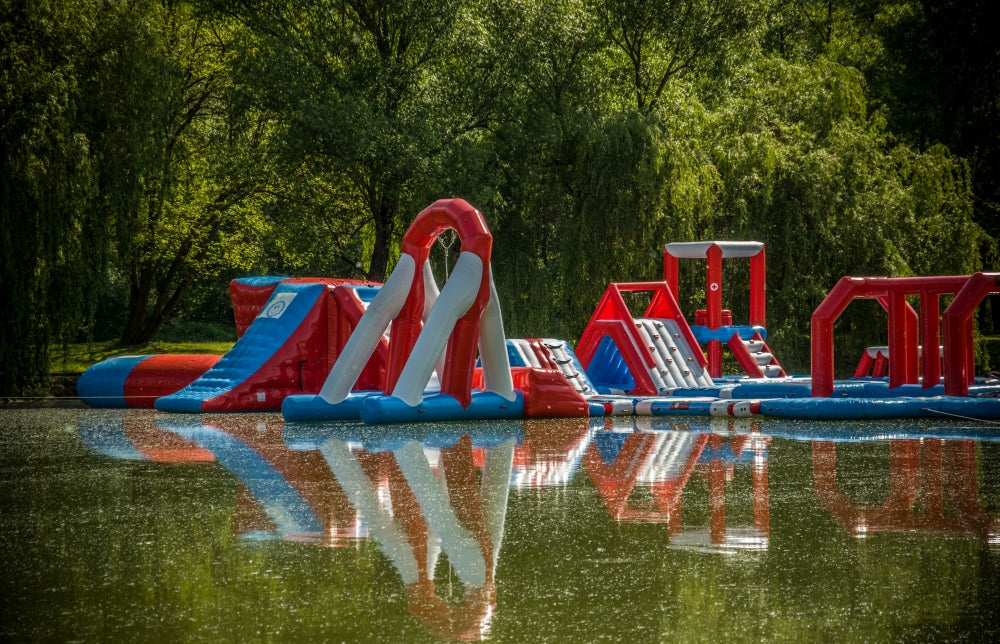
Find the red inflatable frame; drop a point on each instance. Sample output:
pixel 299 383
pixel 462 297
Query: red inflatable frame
pixel 715 316
pixel 906 328
pixel 612 318
pixel 463 344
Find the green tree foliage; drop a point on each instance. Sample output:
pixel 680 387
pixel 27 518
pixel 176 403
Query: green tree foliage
pixel 930 66
pixel 362 116
pixel 653 42
pixel 158 146
pixel 806 169
pixel 939 79
pixel 48 249
pixel 175 172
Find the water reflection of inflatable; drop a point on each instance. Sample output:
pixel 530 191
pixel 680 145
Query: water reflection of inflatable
pixel 445 494
pixel 623 459
pixel 429 493
pixel 933 490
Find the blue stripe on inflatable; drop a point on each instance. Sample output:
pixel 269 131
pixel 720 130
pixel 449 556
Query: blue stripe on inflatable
pixel 678 407
pixel 596 409
pixel 284 506
pixel 284 312
pixel 696 392
pixel 103 385
pixel 943 407
pixel 366 293
pixel 846 408
pixel 703 334
pixel 881 389
pixel 514 356
pixel 765 388
pixel 309 407
pixel 260 280
pixel 485 405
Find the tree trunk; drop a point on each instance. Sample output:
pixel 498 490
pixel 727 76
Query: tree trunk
pixel 143 327
pixel 384 216
pixel 138 299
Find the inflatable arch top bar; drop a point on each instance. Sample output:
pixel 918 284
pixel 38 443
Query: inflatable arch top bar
pixel 699 250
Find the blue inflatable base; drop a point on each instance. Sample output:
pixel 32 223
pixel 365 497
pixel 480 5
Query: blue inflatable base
pixel 485 405
pixel 103 384
pixel 376 408
pixel 846 408
pixel 313 407
pixel 862 388
pixel 944 407
pixel 180 403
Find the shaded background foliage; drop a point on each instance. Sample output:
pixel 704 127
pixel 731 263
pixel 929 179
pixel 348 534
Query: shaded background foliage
pixel 155 149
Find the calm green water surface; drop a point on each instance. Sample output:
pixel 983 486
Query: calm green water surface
pixel 139 526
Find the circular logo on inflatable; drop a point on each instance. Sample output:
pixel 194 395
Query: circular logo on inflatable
pixel 277 306
pixel 276 309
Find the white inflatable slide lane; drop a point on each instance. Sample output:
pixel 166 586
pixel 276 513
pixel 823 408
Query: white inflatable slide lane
pixel 493 348
pixel 431 291
pixel 675 364
pixel 360 346
pixel 457 296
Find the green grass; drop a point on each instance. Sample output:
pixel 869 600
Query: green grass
pixel 77 358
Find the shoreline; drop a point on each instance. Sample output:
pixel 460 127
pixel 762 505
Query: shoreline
pixel 63 395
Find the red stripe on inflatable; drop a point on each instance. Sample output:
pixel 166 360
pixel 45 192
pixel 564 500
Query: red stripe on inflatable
pixel 547 394
pixel 162 375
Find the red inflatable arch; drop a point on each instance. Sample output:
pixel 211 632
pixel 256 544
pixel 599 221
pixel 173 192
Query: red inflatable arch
pixel 460 216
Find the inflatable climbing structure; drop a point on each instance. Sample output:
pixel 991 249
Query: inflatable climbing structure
pixel 409 351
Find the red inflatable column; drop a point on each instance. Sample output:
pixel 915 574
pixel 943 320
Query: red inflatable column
pixel 713 306
pixel 758 289
pixel 822 332
pixel 930 337
pixel 958 347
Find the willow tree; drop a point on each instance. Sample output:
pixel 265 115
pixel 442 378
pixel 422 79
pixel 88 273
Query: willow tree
pixel 808 170
pixel 597 154
pixel 652 43
pixel 545 55
pixel 49 249
pixel 174 175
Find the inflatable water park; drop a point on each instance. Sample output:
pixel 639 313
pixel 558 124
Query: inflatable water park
pixel 319 349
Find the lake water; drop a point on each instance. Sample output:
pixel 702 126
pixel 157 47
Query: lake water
pixel 140 526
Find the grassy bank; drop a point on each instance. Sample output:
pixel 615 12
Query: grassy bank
pixel 76 358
